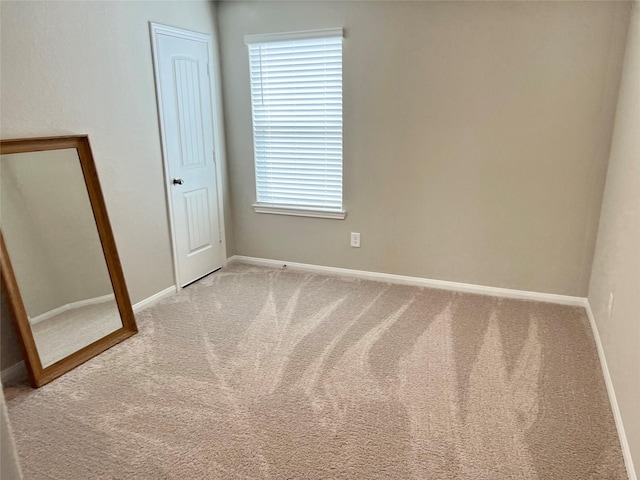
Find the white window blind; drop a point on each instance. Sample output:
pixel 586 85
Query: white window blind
pixel 296 98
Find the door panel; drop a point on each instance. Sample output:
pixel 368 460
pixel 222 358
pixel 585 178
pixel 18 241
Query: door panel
pixel 186 74
pixel 198 223
pixel 184 100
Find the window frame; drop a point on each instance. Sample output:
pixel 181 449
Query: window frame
pixel 293 209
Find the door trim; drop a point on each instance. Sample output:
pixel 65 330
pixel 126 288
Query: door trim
pixel 215 86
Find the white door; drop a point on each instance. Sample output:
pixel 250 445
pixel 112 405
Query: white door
pixel 183 88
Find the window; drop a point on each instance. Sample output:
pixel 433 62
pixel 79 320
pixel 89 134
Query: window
pixel 296 100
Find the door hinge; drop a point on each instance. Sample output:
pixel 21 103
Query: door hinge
pixel 209 70
pixel 219 237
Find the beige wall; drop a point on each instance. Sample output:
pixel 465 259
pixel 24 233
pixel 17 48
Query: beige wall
pixel 27 247
pixel 50 231
pixel 85 67
pixel 10 352
pixel 616 266
pixel 476 137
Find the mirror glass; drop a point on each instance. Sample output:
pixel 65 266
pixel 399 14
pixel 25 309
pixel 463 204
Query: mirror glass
pixel 52 239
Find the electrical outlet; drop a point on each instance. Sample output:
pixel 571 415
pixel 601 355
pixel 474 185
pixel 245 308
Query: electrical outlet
pixel 355 239
pixel 610 305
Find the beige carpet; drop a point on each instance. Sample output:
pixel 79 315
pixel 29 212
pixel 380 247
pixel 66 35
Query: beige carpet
pixel 256 373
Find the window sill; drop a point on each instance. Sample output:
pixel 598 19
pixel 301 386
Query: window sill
pixel 299 212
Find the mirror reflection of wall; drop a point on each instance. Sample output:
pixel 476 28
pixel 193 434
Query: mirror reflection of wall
pixel 52 240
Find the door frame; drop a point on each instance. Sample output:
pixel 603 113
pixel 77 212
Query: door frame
pixel 215 88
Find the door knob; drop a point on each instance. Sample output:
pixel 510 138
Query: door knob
pixel 178 181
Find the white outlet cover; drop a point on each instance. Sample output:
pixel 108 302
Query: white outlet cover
pixel 355 239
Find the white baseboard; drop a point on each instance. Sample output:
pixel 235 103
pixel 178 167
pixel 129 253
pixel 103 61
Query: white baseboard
pixel 416 281
pixel 153 299
pixel 14 373
pixel 626 450
pixel 71 306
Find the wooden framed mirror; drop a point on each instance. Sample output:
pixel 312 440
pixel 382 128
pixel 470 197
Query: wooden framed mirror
pixel 61 274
